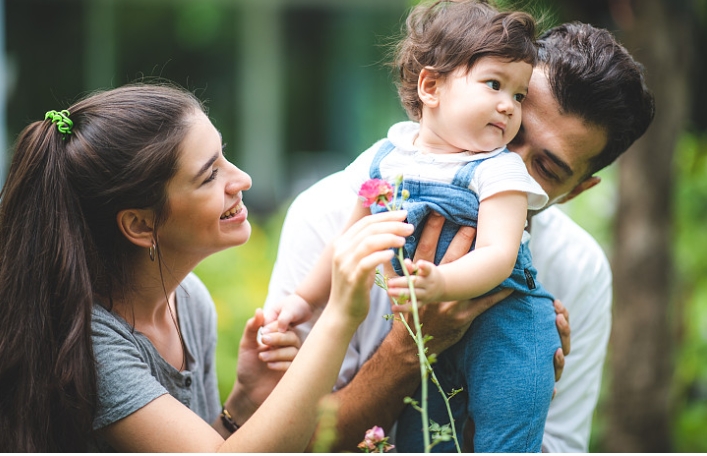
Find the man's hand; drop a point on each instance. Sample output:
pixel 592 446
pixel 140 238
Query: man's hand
pixel 562 321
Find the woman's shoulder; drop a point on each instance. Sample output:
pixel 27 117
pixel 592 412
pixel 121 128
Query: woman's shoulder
pixel 107 325
pixel 195 302
pixel 193 285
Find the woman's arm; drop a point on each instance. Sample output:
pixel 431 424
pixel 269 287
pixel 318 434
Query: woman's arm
pixel 286 420
pixel 315 287
pixel 313 292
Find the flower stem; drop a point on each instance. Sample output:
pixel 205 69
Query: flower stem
pixel 435 380
pixel 420 352
pixel 425 366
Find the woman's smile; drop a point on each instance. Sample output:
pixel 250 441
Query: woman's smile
pixel 237 213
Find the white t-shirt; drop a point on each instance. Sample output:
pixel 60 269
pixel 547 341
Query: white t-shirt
pixel 571 266
pixel 503 171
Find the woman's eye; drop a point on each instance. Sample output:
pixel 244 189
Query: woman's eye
pixel 519 97
pixel 495 85
pixel 212 176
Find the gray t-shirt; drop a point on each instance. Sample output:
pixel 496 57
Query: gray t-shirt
pixel 131 373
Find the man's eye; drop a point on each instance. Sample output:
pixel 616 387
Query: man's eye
pixel 544 171
pixel 495 85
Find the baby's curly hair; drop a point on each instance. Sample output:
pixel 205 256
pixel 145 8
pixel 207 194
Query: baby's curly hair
pixel 448 34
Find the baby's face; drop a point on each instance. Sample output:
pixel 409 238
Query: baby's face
pixel 479 110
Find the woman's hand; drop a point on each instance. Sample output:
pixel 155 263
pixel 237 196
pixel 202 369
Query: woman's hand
pixel 358 252
pixel 260 366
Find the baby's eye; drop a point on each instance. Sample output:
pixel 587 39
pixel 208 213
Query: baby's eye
pixel 519 97
pixel 495 85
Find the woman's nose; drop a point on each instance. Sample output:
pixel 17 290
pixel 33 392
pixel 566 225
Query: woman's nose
pixel 238 181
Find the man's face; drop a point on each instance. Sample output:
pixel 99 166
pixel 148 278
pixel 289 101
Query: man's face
pixel 556 147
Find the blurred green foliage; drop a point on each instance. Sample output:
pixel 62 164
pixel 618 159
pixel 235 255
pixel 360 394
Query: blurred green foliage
pixel 690 304
pixel 595 211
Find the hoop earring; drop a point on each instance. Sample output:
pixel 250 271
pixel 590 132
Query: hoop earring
pixel 151 251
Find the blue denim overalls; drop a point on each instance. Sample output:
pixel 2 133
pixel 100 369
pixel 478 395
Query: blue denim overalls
pixel 504 362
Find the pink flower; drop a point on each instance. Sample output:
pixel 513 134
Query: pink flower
pixel 375 191
pixel 375 441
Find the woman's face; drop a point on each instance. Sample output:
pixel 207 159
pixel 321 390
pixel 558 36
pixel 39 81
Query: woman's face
pixel 206 210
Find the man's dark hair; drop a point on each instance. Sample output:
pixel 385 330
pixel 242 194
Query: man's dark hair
pixel 594 77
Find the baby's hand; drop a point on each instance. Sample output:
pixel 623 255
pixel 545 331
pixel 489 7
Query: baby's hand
pixel 291 311
pixel 279 349
pixel 427 281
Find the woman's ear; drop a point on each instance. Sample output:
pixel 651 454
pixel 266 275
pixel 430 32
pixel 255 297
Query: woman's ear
pixel 428 84
pixel 137 226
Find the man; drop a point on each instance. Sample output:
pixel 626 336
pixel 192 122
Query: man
pixel 587 103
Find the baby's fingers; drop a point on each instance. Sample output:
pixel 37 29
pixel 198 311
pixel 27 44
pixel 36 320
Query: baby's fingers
pixel 284 320
pixel 424 268
pixel 410 266
pixel 400 295
pixel 397 282
pixel 270 315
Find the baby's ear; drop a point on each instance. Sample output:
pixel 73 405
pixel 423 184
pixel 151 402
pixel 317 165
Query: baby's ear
pixel 137 226
pixel 428 84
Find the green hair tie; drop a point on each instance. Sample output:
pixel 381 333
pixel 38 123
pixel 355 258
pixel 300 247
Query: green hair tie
pixel 61 119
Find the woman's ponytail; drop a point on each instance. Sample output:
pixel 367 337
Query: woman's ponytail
pixel 47 369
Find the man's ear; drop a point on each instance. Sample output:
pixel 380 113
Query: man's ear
pixel 428 87
pixel 583 186
pixel 137 226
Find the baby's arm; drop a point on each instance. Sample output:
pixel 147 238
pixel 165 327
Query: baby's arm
pixel 499 232
pixel 313 292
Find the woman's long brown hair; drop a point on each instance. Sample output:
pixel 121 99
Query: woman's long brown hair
pixel 60 248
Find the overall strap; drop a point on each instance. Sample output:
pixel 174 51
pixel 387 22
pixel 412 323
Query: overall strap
pixel 463 176
pixel 383 151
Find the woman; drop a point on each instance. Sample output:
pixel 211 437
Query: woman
pixel 106 336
